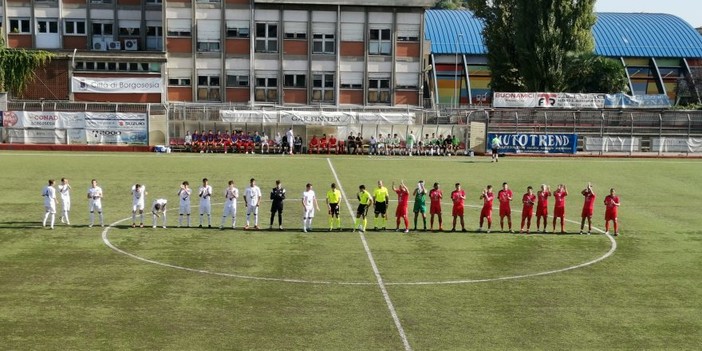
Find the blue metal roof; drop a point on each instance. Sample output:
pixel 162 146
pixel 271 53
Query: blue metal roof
pixel 616 34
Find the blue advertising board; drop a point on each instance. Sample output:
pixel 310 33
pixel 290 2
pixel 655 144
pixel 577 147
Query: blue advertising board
pixel 535 143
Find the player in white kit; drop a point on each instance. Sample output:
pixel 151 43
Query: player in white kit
pixel 95 203
pixel 184 194
pixel 65 190
pixel 309 203
pixel 50 201
pixel 138 198
pixel 205 195
pixel 230 196
pixel 252 198
pixel 158 209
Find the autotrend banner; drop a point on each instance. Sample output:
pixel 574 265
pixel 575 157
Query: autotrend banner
pixel 536 143
pixel 548 100
pixel 152 85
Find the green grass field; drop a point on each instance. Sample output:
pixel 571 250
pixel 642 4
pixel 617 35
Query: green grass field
pixel 272 290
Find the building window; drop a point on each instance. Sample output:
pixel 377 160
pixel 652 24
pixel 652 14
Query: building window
pixel 155 2
pixel 154 37
pixel 323 87
pixel 237 32
pixel 20 26
pixel 296 30
pixel 267 89
pixel 208 1
pixel 379 90
pixel 179 82
pixel 266 37
pixel 379 43
pixel 179 27
pixel 323 43
pixel 74 27
pixel 100 1
pixel 351 86
pixel 129 30
pixel 237 81
pixel 208 88
pixel 295 81
pixel 47 26
pixel 117 66
pixel 208 46
pixel 102 28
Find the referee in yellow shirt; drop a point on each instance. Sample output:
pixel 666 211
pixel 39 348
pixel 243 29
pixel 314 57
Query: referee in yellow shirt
pixel 380 198
pixel 365 200
pixel 333 200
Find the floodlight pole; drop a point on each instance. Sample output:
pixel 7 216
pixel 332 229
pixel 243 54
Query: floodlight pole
pixel 456 95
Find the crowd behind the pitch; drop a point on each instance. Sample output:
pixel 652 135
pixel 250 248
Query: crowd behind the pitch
pixel 288 143
pixel 533 203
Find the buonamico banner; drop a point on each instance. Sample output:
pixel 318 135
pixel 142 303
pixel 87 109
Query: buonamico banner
pixel 535 143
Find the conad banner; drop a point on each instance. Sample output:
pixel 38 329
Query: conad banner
pixel 548 100
pixel 535 143
pixel 117 85
pixel 612 144
pixel 676 145
pixel 316 117
pixel 637 101
pixel 44 120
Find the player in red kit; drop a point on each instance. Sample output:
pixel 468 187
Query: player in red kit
pixel 559 207
pixel 402 205
pixel 486 213
pixel 529 199
pixel 542 206
pixel 588 208
pixel 611 206
pixel 458 197
pixel 435 196
pixel 505 196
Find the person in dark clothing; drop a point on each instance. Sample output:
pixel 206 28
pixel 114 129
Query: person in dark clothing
pixel 277 197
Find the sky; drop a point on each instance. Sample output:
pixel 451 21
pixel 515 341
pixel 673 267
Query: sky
pixel 689 10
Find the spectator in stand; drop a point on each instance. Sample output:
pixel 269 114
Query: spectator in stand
pixel 380 144
pixel 297 143
pixel 333 145
pixel 256 141
pixel 359 144
pixel 395 143
pixel 455 143
pixel 446 147
pixel 373 146
pixel 313 145
pixel 351 144
pixel 210 141
pixel 323 143
pixel 278 143
pixel 188 141
pixel 226 141
pixel 265 143
pixel 251 143
pixel 290 136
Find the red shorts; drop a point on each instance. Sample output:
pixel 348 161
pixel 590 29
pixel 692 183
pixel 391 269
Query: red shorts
pixel 527 212
pixel 458 211
pixel 559 212
pixel 610 215
pixel 401 211
pixel 505 211
pixel 541 211
pixel 435 209
pixel 587 212
pixel 486 212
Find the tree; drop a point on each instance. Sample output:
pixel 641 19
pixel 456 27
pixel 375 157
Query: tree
pixel 589 73
pixel 17 67
pixel 448 4
pixel 533 44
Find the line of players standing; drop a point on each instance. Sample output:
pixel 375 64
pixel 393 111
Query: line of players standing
pixel 379 199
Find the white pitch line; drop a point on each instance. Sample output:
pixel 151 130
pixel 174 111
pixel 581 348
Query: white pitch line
pixel 378 277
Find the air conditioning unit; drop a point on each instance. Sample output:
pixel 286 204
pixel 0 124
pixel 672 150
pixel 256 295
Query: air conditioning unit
pixel 131 44
pixel 114 45
pixel 99 44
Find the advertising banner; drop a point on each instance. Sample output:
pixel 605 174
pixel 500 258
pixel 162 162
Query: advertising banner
pixel 151 85
pixel 612 144
pixel 115 121
pixel 685 145
pixel 637 101
pixel 35 136
pixel 249 116
pixel 116 137
pixel 317 118
pixel 535 143
pixel 320 118
pixel 548 100
pixel 44 120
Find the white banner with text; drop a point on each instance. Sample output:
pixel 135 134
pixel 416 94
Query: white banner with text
pixel 151 85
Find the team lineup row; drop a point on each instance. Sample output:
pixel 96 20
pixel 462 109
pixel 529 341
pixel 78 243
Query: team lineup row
pixel 378 199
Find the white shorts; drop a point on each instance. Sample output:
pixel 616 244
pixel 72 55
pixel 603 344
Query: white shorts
pixel 185 208
pixel 252 209
pixel 229 210
pixel 139 206
pixel 50 208
pixel 205 208
pixel 66 204
pixel 95 206
pixel 309 213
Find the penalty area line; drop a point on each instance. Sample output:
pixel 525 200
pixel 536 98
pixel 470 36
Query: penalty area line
pixel 376 271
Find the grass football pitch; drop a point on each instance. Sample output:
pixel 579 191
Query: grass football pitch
pixel 81 288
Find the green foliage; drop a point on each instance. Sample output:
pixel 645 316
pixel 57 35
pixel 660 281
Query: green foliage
pixel 17 68
pixel 589 73
pixel 449 4
pixel 531 45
